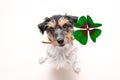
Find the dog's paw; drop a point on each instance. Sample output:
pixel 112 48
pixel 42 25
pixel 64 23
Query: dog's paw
pixel 42 60
pixel 77 70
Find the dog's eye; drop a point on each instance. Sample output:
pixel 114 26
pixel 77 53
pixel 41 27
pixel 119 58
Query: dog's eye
pixel 51 29
pixel 65 26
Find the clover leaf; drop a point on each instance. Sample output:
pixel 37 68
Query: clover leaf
pixel 87 26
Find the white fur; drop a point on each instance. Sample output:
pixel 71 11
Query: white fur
pixel 62 57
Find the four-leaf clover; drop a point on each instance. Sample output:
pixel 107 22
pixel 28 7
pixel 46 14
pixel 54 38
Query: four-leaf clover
pixel 87 26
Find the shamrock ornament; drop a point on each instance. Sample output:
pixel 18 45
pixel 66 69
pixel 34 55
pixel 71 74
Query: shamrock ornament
pixel 87 27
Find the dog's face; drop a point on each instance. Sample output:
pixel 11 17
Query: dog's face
pixel 59 28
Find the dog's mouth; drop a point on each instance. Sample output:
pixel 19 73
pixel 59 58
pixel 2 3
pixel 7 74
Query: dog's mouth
pixel 61 45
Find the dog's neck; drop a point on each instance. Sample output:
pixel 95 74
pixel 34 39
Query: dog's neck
pixel 61 56
pixel 54 49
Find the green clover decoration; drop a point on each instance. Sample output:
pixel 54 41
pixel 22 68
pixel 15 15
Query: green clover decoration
pixel 87 26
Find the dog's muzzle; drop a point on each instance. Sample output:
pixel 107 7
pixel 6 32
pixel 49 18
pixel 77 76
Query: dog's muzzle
pixel 59 36
pixel 60 40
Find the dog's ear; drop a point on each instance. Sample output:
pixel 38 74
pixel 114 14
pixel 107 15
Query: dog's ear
pixel 43 26
pixel 72 19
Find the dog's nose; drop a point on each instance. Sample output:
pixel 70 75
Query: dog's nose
pixel 60 41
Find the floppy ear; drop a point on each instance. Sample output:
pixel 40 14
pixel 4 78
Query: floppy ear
pixel 72 19
pixel 43 26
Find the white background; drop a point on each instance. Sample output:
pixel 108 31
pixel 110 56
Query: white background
pixel 20 39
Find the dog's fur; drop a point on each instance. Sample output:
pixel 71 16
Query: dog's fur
pixel 61 54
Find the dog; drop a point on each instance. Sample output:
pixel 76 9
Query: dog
pixel 61 52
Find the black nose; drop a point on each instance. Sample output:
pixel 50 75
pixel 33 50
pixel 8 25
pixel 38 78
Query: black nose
pixel 60 41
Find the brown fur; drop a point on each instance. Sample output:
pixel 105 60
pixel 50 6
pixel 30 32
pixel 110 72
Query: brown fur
pixel 52 23
pixel 62 21
pixel 68 37
pixel 51 37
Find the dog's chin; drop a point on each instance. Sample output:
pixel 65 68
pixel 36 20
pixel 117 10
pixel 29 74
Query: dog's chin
pixel 61 45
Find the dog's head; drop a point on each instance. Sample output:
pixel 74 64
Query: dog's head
pixel 59 28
